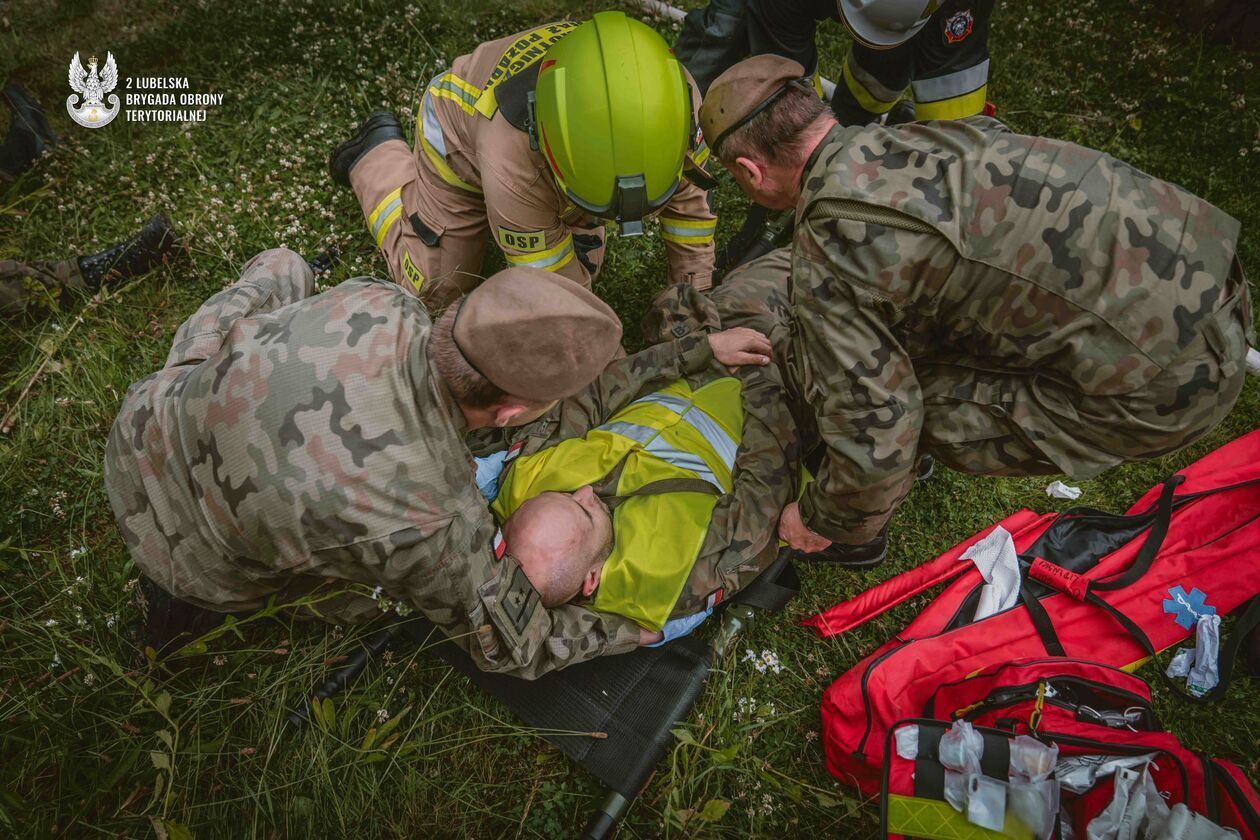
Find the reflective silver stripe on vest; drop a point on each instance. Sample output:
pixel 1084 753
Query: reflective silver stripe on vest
pixel 429 123
pixel 951 85
pixel 685 460
pixel 637 433
pixel 675 404
pixel 717 437
pixel 694 416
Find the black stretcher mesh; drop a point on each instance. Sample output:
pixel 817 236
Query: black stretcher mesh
pixel 635 698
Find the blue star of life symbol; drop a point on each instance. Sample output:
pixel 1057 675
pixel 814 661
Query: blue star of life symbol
pixel 1187 606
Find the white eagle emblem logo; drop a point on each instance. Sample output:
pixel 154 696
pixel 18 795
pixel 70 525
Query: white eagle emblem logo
pixel 92 113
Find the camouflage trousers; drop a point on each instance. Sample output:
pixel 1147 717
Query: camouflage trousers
pixel 26 285
pixel 982 421
pixel 269 281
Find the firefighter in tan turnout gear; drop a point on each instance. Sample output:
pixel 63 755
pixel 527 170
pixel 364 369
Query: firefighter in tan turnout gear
pixel 534 141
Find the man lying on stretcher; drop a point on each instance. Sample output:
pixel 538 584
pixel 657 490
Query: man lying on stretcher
pixel 655 506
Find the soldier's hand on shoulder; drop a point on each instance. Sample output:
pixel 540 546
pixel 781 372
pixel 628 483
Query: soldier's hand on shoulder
pixel 740 346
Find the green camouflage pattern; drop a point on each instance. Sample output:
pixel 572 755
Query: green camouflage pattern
pixel 740 542
pixel 1010 304
pixel 299 447
pixel 36 285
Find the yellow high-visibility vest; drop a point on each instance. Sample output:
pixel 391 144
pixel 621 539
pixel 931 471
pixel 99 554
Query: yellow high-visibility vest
pixel 672 433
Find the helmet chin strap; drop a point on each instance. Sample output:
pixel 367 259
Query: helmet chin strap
pixel 630 199
pixel 531 120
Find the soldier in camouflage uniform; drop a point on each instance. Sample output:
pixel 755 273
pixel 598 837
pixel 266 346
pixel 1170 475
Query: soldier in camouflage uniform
pixel 1012 305
pixel 294 446
pixel 48 285
pixel 739 542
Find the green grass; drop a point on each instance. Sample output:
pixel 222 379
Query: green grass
pixel 91 745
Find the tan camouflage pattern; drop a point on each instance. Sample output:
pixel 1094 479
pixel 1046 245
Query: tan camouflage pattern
pixel 741 540
pixel 1063 310
pixel 295 447
pixel 37 285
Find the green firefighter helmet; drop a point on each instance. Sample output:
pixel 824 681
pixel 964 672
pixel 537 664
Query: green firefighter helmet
pixel 613 113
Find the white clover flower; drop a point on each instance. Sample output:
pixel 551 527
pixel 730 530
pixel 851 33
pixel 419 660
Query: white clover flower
pixel 56 662
pixel 376 593
pixel 770 659
pixel 52 622
pixel 89 679
pixel 382 715
pixel 75 553
pixel 220 660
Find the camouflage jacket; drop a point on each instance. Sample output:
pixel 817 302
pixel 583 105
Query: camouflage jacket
pixel 979 247
pixel 318 447
pixel 741 540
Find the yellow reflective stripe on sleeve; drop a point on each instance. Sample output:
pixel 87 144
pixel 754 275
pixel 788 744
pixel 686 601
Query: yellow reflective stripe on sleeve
pixel 861 94
pixel 967 105
pixel 384 215
pixel 688 231
pixel 452 87
pixel 552 259
pixel 701 154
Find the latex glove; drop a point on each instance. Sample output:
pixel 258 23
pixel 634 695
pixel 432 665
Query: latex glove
pixel 488 470
pixel 679 627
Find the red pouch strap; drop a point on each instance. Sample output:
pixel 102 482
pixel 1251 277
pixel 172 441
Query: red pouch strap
pixel 1059 579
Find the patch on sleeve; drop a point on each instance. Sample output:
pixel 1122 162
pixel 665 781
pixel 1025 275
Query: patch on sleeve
pixel 524 241
pixel 519 600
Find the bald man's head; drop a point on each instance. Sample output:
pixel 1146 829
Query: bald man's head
pixel 561 541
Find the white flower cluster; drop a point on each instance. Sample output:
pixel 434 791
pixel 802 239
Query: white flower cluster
pixel 767 661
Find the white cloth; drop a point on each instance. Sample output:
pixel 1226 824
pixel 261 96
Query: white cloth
pixel 995 557
pixel 1253 361
pixel 1062 491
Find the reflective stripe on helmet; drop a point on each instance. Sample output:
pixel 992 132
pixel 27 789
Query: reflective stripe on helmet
pixel 384 216
pixel 552 259
pixel 433 142
pixel 688 231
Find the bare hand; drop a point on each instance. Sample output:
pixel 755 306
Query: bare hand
pixel 794 532
pixel 740 346
pixel 647 637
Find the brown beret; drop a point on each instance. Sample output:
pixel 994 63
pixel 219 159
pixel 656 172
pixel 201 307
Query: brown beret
pixel 744 91
pixel 535 334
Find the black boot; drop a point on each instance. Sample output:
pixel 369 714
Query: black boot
pixel 28 135
pixel 324 261
pixel 167 623
pixel 924 468
pixel 155 244
pixel 373 131
pixel 856 557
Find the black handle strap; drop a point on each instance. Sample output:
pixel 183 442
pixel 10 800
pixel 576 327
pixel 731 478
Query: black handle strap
pixel 1040 620
pixel 1151 546
pixel 665 485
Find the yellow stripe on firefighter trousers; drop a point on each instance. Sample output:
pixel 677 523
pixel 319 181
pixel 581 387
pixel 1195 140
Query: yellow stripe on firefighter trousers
pixel 955 108
pixel 552 259
pixel 384 216
pixel 862 95
pixel 672 433
pixel 688 231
